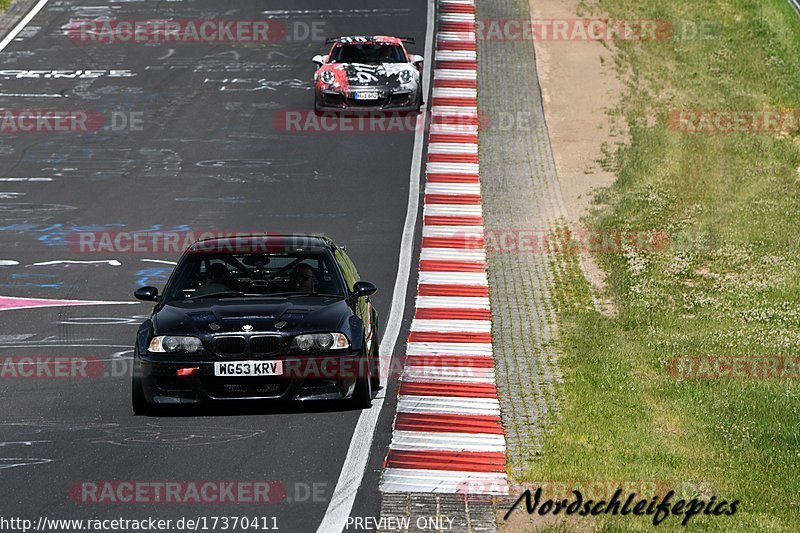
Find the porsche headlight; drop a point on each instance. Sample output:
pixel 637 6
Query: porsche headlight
pixel 175 344
pixel 326 77
pixel 321 341
pixel 405 76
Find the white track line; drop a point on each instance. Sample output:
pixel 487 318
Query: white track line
pixel 355 462
pixel 22 23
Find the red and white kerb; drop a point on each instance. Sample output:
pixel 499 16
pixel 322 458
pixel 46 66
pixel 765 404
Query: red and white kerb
pixel 448 432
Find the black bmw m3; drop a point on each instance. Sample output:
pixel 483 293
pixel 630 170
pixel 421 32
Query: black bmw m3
pixel 258 317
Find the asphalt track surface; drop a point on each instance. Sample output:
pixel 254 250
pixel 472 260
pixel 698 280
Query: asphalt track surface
pixel 207 158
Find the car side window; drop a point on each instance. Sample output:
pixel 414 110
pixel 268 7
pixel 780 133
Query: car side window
pixel 348 268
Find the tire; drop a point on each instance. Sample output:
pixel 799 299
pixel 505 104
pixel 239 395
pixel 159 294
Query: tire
pixel 375 367
pixel 375 380
pixel 317 112
pixel 362 395
pixel 139 403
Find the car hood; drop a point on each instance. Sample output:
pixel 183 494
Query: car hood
pixel 368 75
pixel 228 315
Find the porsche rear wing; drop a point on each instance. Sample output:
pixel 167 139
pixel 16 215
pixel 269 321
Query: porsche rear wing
pixel 331 40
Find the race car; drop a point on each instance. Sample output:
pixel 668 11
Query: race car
pixel 368 73
pixel 258 318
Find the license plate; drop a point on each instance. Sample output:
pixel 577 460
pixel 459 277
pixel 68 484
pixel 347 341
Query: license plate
pixel 366 96
pixel 248 368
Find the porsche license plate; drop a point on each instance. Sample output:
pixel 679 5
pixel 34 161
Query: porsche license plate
pixel 368 95
pixel 248 368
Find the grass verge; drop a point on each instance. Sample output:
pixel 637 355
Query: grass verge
pixel 727 284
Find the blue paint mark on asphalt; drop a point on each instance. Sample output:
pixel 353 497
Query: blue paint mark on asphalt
pixel 60 235
pixel 152 276
pixel 45 282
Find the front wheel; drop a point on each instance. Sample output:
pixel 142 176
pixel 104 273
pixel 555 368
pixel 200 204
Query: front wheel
pixel 139 403
pixel 362 395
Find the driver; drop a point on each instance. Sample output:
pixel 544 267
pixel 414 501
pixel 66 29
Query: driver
pixel 303 279
pixel 387 54
pixel 216 277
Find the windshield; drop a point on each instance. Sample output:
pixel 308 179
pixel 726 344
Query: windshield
pixel 370 53
pixel 199 276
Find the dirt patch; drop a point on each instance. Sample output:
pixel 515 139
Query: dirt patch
pixel 579 89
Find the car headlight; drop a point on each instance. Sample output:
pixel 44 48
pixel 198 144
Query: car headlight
pixel 321 341
pixel 175 344
pixel 405 76
pixel 326 77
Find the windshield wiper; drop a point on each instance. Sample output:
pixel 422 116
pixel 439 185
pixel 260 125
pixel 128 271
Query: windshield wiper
pixel 303 293
pixel 216 295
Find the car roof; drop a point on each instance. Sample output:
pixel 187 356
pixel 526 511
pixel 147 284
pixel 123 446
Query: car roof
pixel 263 243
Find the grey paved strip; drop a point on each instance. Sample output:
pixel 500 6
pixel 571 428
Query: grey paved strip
pixel 521 192
pixel 451 511
pixel 12 15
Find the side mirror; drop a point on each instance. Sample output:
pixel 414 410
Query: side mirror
pixel 146 294
pixel 417 60
pixel 363 288
pixel 319 60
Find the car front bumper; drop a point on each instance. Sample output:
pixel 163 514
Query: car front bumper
pixel 390 101
pixel 162 385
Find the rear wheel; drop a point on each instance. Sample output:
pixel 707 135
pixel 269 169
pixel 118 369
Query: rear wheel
pixel 375 367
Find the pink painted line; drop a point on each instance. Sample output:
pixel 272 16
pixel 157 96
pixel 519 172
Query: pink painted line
pixel 10 303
